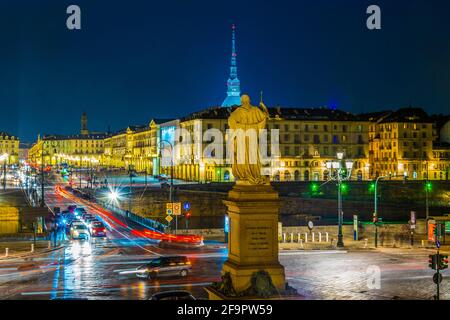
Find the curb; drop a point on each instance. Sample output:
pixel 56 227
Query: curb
pixel 30 254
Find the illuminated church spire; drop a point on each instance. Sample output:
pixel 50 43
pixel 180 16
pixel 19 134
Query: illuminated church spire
pixel 233 84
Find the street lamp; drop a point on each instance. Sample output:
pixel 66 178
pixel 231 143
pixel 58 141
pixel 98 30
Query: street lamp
pixel 53 145
pixel 342 172
pixel 171 175
pixel 375 211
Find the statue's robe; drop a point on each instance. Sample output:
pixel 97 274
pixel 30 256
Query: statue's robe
pixel 248 118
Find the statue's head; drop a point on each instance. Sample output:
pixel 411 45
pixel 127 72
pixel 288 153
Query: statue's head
pixel 245 100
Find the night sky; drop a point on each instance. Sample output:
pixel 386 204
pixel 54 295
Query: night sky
pixel 137 60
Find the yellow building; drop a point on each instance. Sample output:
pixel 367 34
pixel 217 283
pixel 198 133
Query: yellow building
pixel 81 150
pixel 401 144
pixel 9 145
pixel 308 139
pixel 136 147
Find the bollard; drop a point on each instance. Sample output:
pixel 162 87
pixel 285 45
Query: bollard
pixel 326 236
pixel 306 237
pixel 301 242
pixel 284 237
pixel 49 245
pixel 6 252
pixel 32 247
pixel 423 243
pixel 365 242
pixel 292 237
pixel 320 236
pixel 299 238
pixel 313 237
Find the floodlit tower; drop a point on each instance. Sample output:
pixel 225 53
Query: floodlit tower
pixel 234 85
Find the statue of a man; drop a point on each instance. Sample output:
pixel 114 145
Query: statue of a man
pixel 247 120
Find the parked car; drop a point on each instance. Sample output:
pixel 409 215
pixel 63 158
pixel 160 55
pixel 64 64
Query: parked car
pixel 165 266
pixel 173 295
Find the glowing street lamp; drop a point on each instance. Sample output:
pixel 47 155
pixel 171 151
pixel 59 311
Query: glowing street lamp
pixel 343 172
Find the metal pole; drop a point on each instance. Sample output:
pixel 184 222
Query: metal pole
pixel 426 204
pixel 4 174
pixel 376 213
pixel 42 176
pixel 340 242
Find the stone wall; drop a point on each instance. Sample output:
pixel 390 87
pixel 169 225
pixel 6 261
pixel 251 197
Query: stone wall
pixel 298 206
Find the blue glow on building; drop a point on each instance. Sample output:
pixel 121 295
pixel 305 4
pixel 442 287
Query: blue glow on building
pixel 234 85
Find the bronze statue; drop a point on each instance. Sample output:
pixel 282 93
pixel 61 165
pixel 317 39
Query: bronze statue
pixel 247 119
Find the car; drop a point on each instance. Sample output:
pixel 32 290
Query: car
pixel 79 231
pixel 88 219
pixel 165 266
pixel 97 229
pixel 71 208
pixel 173 295
pixel 80 210
pixel 84 216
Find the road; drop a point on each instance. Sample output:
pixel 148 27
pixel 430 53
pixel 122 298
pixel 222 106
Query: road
pixel 97 269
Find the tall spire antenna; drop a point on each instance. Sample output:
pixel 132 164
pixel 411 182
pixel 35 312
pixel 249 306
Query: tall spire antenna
pixel 233 84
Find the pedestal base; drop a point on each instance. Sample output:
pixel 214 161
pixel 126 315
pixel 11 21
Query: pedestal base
pixel 241 275
pixel 213 294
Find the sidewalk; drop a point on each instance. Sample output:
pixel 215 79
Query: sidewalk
pixel 22 249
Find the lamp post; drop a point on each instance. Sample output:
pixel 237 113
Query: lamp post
pixel 171 175
pixel 343 172
pixel 42 171
pixel 375 211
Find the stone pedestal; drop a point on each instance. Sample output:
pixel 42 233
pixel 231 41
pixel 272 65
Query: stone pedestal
pixel 253 238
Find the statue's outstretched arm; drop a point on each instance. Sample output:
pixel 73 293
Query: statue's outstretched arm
pixel 264 108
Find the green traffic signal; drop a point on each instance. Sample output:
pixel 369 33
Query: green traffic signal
pixel 344 187
pixel 314 188
pixel 429 186
pixel 372 187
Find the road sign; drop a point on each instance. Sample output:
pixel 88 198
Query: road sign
pixel 169 208
pixel 177 209
pixel 310 225
pixel 169 218
pixel 438 244
pixel 187 206
pixel 437 278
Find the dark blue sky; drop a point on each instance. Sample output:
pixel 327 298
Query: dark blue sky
pixel 136 60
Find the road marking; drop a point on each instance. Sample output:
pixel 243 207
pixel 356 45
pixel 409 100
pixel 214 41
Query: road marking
pixel 312 252
pixel 71 291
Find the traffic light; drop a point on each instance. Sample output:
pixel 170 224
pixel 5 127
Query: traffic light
pixel 428 186
pixel 344 188
pixel 188 215
pixel 443 262
pixel 432 261
pixel 372 187
pixel 314 188
pixel 374 218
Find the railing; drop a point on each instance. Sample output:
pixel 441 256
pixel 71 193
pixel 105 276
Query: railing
pixel 146 222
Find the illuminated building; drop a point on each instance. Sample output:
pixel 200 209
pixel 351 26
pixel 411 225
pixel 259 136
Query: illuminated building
pixel 401 145
pixel 308 139
pixel 234 86
pixel 81 150
pixel 137 147
pixel 9 144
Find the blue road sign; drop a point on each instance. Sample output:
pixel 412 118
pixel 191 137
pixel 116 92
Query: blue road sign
pixel 187 206
pixel 438 244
